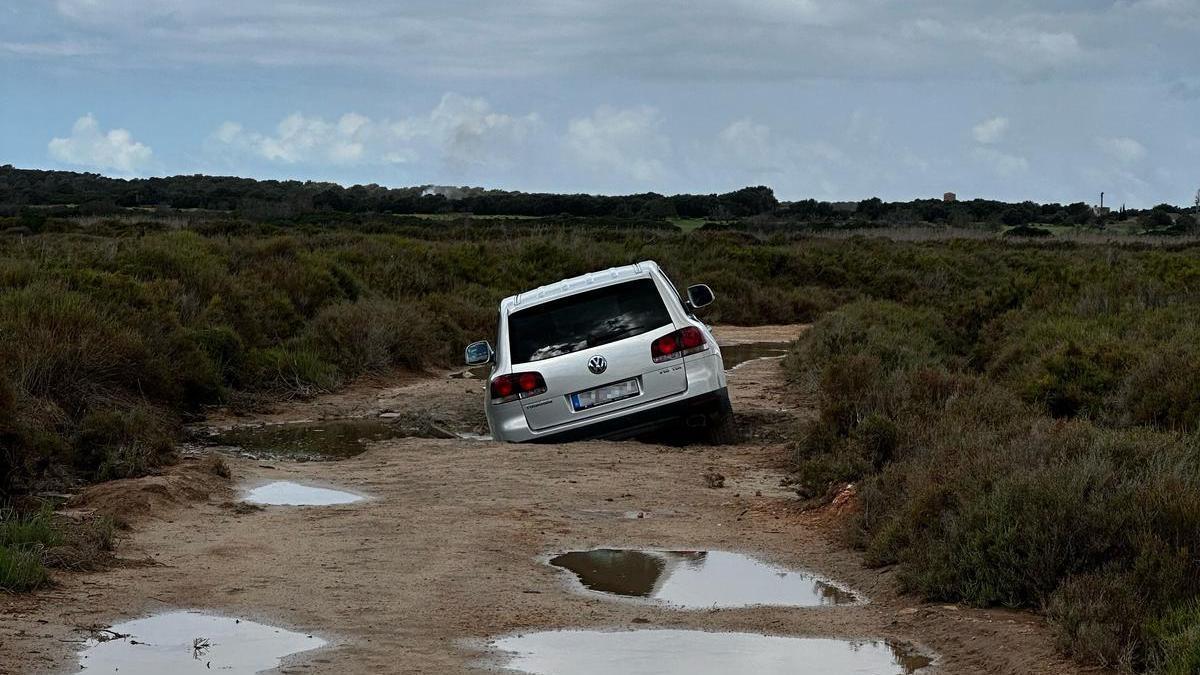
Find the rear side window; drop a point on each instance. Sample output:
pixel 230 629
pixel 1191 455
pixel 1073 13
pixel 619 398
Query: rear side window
pixel 585 320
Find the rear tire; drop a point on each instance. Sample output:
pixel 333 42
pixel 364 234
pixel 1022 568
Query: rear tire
pixel 721 429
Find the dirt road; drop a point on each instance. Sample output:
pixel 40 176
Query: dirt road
pixel 447 551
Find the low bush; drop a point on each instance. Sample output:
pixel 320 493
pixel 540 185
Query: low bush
pixel 1175 639
pixel 21 570
pixel 1039 469
pixel 32 542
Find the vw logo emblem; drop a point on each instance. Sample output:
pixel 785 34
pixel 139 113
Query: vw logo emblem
pixel 597 364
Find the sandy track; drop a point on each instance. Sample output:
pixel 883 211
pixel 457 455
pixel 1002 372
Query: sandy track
pixel 447 553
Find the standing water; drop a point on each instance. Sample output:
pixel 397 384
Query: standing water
pixel 736 355
pixel 331 439
pixel 287 493
pixel 686 652
pixel 190 642
pixel 699 579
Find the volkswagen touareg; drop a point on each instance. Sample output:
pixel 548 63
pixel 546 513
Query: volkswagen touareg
pixel 611 354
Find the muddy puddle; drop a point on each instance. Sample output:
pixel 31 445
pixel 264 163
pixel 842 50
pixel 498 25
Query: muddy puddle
pixel 699 579
pixel 287 493
pixel 472 436
pixel 736 355
pixel 191 642
pixel 476 373
pixel 585 652
pixel 314 441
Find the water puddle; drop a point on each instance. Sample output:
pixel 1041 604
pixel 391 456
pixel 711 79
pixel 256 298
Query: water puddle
pixel 287 493
pixel 190 642
pixel 333 439
pixel 476 373
pixel 699 579
pixel 736 355
pixel 665 652
pixel 472 436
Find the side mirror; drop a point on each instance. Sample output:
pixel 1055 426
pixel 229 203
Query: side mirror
pixel 700 295
pixel 479 353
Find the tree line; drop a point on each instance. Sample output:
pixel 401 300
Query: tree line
pixel 93 194
pixel 36 193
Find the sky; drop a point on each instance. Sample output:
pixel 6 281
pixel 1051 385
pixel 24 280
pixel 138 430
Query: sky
pixel 1049 100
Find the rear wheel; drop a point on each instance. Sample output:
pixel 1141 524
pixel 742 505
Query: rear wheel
pixel 721 428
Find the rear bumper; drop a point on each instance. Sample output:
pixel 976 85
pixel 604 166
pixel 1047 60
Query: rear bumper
pixel 645 421
pixel 706 382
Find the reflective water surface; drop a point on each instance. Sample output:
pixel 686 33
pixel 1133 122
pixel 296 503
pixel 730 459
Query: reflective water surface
pixel 287 493
pixel 191 642
pixel 736 355
pixel 699 579
pixel 331 439
pixel 684 652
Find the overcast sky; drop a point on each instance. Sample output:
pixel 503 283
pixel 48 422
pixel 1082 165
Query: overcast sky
pixel 1051 100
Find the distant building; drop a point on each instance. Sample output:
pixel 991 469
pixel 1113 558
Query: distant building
pixel 949 197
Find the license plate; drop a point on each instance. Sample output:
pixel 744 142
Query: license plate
pixel 606 394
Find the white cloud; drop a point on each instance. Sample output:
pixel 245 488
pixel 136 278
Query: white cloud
pixel 1002 163
pixel 753 147
pixel 51 49
pixel 990 131
pixel 90 146
pixel 1124 150
pixel 470 132
pixel 459 131
pixel 627 141
pixel 756 153
pixel 711 39
pixel 1017 45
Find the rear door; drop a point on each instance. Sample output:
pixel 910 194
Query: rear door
pixel 593 349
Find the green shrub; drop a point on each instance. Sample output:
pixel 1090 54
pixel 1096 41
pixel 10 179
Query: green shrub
pixel 1073 379
pixel 296 370
pixel 1099 618
pixel 898 337
pixel 29 530
pixel 979 496
pixel 1176 640
pixel 31 542
pixel 1163 390
pixel 21 570
pixel 371 336
pixel 122 442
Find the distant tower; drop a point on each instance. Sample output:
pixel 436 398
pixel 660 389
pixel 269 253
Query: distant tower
pixel 949 197
pixel 1101 201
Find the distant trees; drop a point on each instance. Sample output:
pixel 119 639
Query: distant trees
pixel 19 187
pixel 1156 219
pixel 1186 224
pixel 58 193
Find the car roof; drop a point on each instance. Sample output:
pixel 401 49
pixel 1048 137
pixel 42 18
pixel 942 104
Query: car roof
pixel 573 285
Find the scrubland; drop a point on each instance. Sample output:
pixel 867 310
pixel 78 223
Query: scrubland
pixel 1020 418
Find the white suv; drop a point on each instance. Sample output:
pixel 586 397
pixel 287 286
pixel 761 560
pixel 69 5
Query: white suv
pixel 610 354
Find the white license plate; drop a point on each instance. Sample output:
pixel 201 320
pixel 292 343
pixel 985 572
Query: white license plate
pixel 606 394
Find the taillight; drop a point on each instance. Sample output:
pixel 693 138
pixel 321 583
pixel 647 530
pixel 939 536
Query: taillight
pixel 507 388
pixel 682 342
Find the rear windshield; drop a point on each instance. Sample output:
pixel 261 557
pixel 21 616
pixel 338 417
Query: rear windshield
pixel 586 320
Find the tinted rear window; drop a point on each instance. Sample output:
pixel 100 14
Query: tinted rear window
pixel 585 320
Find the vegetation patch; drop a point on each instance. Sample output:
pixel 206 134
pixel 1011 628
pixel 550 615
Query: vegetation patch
pixel 1028 439
pixel 30 543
